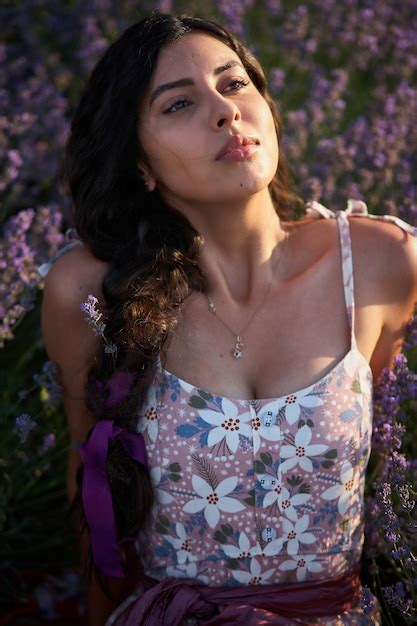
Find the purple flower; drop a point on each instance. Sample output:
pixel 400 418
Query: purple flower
pixel 398 554
pixel 367 599
pixel 396 598
pixel 47 379
pixel 25 424
pixel 48 442
pixel 93 315
pixel 30 238
pixel 94 318
pixel 276 79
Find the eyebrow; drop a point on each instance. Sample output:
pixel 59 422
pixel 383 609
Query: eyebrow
pixel 184 82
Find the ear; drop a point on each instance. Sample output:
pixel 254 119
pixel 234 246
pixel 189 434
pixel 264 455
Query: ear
pixel 148 179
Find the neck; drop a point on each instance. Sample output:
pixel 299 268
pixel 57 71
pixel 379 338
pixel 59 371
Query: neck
pixel 240 251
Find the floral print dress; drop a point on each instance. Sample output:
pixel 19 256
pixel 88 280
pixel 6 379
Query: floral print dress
pixel 268 490
pixel 261 491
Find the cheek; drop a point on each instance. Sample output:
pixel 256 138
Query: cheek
pixel 171 154
pixel 269 132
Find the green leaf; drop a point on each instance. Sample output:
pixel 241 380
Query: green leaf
pixel 356 386
pixel 220 537
pixel 294 480
pixel 266 458
pixel 331 454
pixel 310 423
pixel 251 500
pixel 205 394
pixel 227 529
pixel 175 477
pixel 197 403
pixel 232 563
pixel 174 467
pixel 259 467
pixel 327 464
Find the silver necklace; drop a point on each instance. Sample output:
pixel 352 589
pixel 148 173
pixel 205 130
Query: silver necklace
pixel 237 351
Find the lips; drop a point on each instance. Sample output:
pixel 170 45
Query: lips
pixel 236 141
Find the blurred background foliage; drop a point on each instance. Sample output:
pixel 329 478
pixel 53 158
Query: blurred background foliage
pixel 344 75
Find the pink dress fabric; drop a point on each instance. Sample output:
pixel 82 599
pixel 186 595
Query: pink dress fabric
pixel 251 491
pixel 265 491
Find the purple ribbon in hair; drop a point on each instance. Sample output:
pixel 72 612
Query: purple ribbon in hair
pixel 97 500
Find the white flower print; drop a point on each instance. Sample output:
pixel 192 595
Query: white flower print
pixel 186 571
pixel 244 549
pixel 294 534
pixel 229 424
pixel 148 421
pixel 255 576
pixel 273 548
pixel 213 500
pixel 161 496
pixel 280 495
pixel 264 426
pixel 303 563
pixel 181 544
pixel 298 454
pixel 294 401
pixel 343 490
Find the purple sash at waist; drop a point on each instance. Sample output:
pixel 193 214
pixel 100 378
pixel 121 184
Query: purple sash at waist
pixel 170 601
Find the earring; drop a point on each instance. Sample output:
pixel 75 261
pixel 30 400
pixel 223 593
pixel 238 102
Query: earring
pixel 144 179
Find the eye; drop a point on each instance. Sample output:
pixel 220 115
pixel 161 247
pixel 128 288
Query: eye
pixel 175 106
pixel 237 83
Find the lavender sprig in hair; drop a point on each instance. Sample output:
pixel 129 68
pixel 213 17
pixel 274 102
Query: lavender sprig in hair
pixel 94 318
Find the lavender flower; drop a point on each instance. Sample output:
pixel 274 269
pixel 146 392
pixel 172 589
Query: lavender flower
pixel 391 513
pixel 30 237
pixel 93 315
pixel 48 442
pixel 396 597
pixel 367 599
pixel 25 424
pixel 110 348
pixel 47 379
pixel 399 554
pixel 94 318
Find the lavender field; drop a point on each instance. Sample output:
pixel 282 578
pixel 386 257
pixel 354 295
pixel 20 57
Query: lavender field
pixel 344 75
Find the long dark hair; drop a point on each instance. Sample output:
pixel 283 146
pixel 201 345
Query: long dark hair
pixel 151 248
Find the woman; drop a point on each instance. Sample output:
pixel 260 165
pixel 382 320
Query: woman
pixel 217 305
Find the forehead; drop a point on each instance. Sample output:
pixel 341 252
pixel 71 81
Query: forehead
pixel 195 52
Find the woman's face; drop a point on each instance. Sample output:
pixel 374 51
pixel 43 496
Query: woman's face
pixel 183 127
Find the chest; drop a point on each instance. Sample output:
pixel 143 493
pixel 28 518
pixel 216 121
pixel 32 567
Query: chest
pixel 295 339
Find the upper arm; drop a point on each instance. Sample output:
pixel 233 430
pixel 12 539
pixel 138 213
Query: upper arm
pixel 68 339
pixel 397 256
pixel 389 260
pixel 71 343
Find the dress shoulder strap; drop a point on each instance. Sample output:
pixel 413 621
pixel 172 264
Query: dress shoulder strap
pixel 358 208
pixel 72 241
pixel 317 210
pixel 347 271
pixel 355 208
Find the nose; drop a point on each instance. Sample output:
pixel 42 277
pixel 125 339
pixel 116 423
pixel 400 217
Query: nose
pixel 224 112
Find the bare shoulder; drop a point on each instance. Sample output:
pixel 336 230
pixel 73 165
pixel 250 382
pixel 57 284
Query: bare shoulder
pixel 73 274
pixel 387 254
pixel 72 277
pixel 385 264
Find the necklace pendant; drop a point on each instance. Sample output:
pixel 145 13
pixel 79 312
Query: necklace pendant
pixel 238 351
